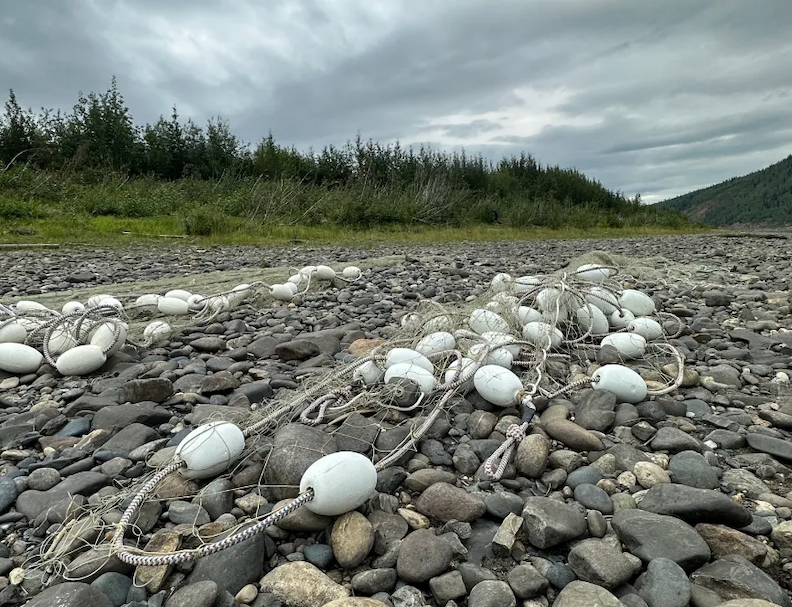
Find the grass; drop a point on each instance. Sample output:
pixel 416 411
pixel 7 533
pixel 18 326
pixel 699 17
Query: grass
pixel 110 230
pixel 109 209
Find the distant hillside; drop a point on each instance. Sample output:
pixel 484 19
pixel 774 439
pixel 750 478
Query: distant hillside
pixel 763 197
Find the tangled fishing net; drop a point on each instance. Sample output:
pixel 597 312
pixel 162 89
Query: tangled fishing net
pixel 525 341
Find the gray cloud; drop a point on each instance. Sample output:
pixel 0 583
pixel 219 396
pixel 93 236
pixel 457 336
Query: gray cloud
pixel 656 98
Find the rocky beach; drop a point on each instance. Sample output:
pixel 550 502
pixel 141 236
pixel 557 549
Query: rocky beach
pixel 680 500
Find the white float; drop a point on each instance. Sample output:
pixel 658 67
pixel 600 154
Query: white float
pixel 501 282
pixel 603 299
pixel 621 318
pixel 436 342
pixel 196 302
pixel 80 360
pixel 149 299
pixel 157 330
pixel 626 384
pixel 593 272
pixel 112 302
pixel 281 293
pixel 411 322
pixel 210 449
pixel 591 316
pixel 425 380
pixel 27 306
pixel 369 373
pixel 397 356
pixel 502 339
pixel 527 314
pixel 648 328
pixel 458 370
pixel 292 287
pixel 95 300
pixel 179 294
pixel 640 304
pixel 501 357
pixel 437 323
pixel 524 284
pixel 482 321
pixel 341 482
pixel 540 333
pixel 61 340
pixel 498 385
pixel 103 336
pixel 629 345
pixel 13 332
pixel 325 273
pixel 351 273
pixel 19 358
pixel 72 307
pixel 173 306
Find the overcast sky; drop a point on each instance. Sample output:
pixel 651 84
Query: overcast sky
pixel 657 97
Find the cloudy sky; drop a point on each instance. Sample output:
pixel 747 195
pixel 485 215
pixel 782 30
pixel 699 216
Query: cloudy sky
pixel 657 97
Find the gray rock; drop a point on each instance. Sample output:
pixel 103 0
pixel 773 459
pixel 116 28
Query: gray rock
pixel 444 502
pixel 352 539
pixel 209 344
pixel 744 481
pixel 585 594
pixel 423 556
pixel 596 410
pixel 114 586
pixel 733 577
pixel 500 504
pixel 550 522
pixel 588 475
pixel 447 587
pixel 695 505
pixel 532 456
pixel 8 493
pixel 221 381
pixel 594 498
pixel 31 503
pixel 234 567
pixel 776 447
pixel 713 298
pixel 43 479
pixel 70 594
pixel 472 574
pixel 185 513
pixel 217 497
pixel 156 389
pixel 526 582
pixel 357 433
pixel 674 440
pixel 649 536
pixel 295 448
pixel 129 438
pixel 598 562
pixel 572 435
pixel 373 581
pixel 297 349
pixel 420 480
pixel 491 594
pixel 691 468
pixel 666 584
pixel 627 456
pixel 320 555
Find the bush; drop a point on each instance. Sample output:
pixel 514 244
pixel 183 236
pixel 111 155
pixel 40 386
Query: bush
pixel 205 221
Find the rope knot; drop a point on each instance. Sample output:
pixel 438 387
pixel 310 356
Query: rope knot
pixel 515 432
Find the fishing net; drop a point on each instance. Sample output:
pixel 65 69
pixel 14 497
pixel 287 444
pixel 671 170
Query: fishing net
pixel 552 334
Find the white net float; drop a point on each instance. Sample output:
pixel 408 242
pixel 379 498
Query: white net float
pixel 81 360
pixel 369 373
pixel 629 345
pixel 433 343
pixel 407 355
pixel 173 306
pixel 179 294
pixel 501 282
pixel 210 449
pixel 593 272
pixel 282 292
pixel 19 358
pixel 72 307
pixel 626 384
pixel 592 319
pixel 648 328
pixel 541 334
pixel 425 379
pixel 325 273
pixel 351 273
pixel 620 319
pixel 603 299
pixel 12 332
pixel 149 299
pixel 482 321
pixel 341 482
pixel 498 385
pixel 640 304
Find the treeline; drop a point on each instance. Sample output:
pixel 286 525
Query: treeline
pixel 362 183
pixel 762 198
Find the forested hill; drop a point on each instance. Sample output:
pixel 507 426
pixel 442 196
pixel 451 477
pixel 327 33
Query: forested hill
pixel 763 197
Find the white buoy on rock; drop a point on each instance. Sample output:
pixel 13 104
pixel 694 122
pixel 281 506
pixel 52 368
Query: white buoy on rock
pixel 12 332
pixel 19 358
pixel 425 380
pixel 398 356
pixel 648 328
pixel 433 343
pixel 629 345
pixel 482 321
pixel 179 294
pixel 603 299
pixel 341 482
pixel 626 384
pixel 621 318
pixel 590 316
pixel 210 449
pixel 173 306
pixel 351 273
pixel 542 334
pixel 325 273
pixel 80 360
pixel 281 293
pixel 501 282
pixel 498 385
pixel 593 272
pixel 72 307
pixel 640 304
pixel 369 373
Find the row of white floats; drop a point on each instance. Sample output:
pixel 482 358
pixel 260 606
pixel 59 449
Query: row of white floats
pixel 84 354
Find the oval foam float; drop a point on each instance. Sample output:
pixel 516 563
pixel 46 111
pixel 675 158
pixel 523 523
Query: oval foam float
pixel 94 300
pixel 459 369
pixel 398 356
pixel 13 332
pixel 281 293
pixel 648 328
pixel 502 339
pixel 538 333
pixel 369 373
pixel 80 360
pixel 433 343
pixel 593 272
pixel 179 294
pixel 149 299
pixel 482 321
pixel 527 314
pixel 591 316
pixel 325 273
pixel 524 284
pixel 629 345
pixel 112 302
pixel 603 299
pixel 210 449
pixel 425 380
pixel 621 318
pixel 640 304
pixel 292 287
pixel 173 306
pixel 498 385
pixel 27 306
pixel 501 282
pixel 157 330
pixel 341 482
pixel 501 357
pixel 411 322
pixel 196 302
pixel 60 341
pixel 72 307
pixel 19 358
pixel 437 323
pixel 104 337
pixel 351 273
pixel 626 384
